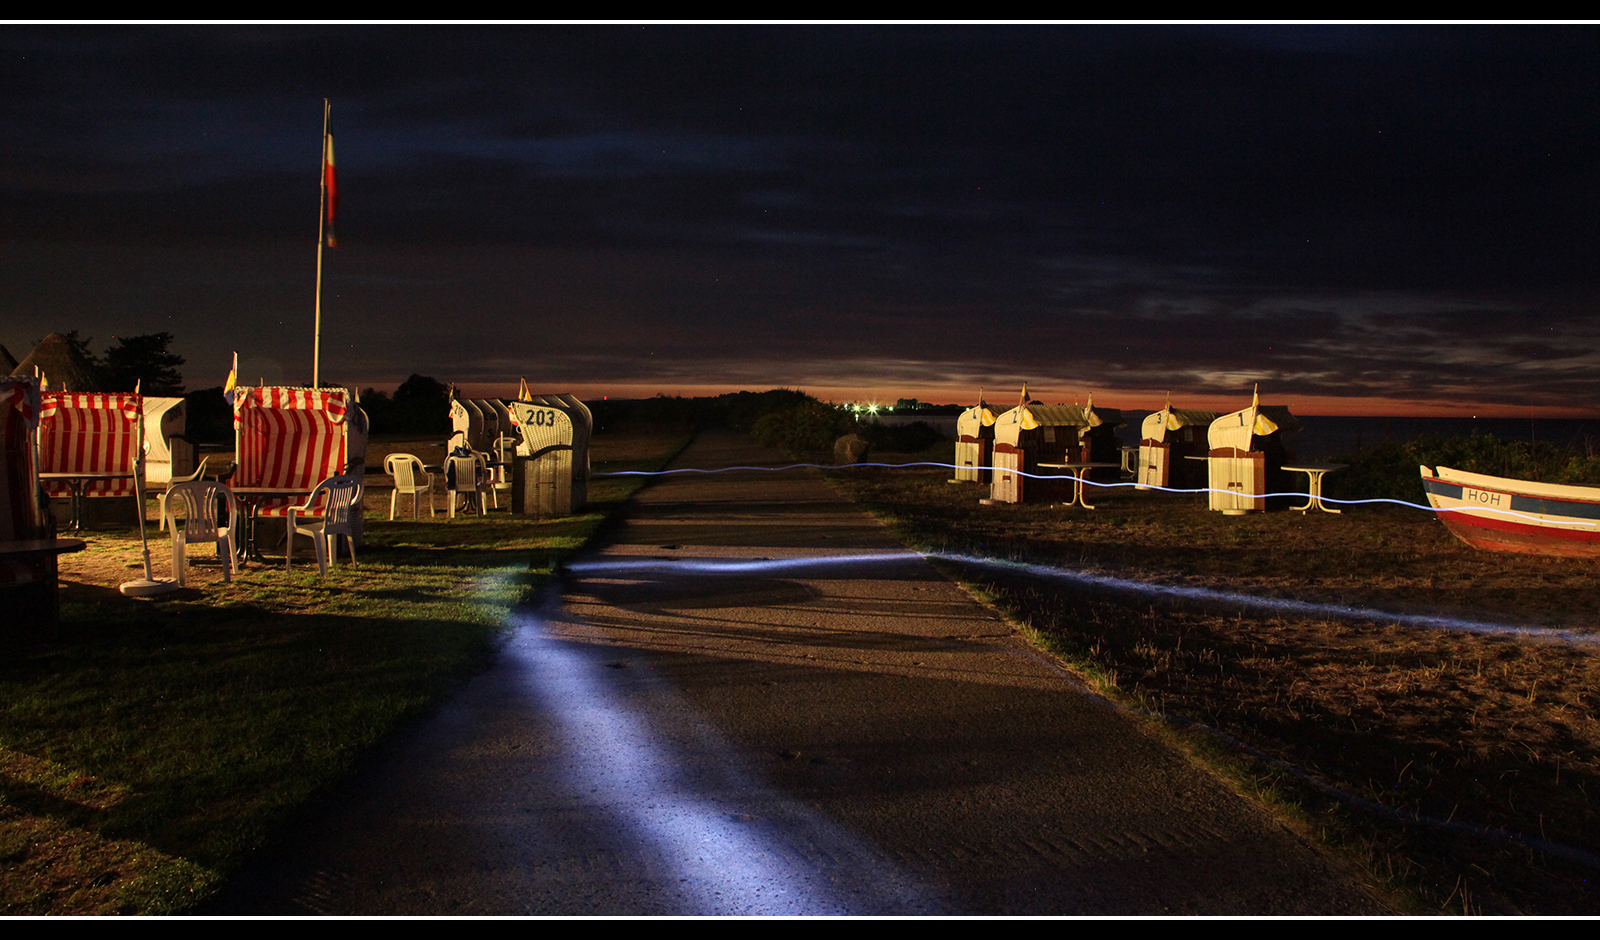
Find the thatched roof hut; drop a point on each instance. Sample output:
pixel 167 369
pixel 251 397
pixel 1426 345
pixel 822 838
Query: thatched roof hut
pixel 64 367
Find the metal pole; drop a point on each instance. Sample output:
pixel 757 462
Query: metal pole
pixel 322 219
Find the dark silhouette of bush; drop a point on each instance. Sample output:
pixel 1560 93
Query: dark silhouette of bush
pixel 806 431
pixel 1389 470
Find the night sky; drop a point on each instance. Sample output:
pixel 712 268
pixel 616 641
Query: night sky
pixel 1363 219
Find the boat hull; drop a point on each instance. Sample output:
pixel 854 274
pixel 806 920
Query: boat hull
pixel 1500 515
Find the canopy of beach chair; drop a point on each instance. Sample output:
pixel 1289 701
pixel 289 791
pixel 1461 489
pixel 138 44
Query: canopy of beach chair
pixel 91 433
pixel 289 439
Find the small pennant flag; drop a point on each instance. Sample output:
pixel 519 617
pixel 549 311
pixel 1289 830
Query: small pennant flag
pixel 233 376
pixel 1263 425
pixel 523 394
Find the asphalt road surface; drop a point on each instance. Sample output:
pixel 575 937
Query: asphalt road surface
pixel 754 701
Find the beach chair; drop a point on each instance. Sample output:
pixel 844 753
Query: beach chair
pixel 168 455
pixel 28 590
pixel 335 501
pixel 91 446
pixel 288 440
pixel 406 469
pixel 161 499
pixel 198 500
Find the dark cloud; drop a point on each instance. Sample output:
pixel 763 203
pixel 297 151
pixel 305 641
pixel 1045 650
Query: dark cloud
pixel 1344 211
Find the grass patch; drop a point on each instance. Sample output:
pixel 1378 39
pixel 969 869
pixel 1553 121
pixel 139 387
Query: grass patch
pixel 155 743
pixel 1494 732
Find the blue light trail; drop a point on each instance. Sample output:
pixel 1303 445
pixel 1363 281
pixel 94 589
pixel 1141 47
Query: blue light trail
pixel 1057 477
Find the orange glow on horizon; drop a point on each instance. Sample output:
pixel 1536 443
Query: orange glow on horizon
pixel 1125 400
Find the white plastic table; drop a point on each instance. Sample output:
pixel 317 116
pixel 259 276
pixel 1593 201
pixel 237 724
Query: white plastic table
pixel 1078 469
pixel 78 482
pixel 252 497
pixel 1315 472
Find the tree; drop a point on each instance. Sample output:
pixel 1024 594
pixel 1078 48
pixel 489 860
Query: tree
pixel 422 405
pixel 145 361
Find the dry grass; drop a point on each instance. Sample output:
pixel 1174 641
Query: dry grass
pixel 1495 732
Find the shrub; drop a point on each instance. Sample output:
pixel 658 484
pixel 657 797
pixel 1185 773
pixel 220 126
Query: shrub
pixel 806 431
pixel 1389 470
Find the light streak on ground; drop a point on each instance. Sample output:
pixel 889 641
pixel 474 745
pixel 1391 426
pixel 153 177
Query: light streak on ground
pixel 730 566
pixel 1212 596
pixel 731 860
pixel 1273 605
pixel 1058 477
pixel 697 821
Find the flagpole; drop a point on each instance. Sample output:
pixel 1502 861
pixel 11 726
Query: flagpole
pixel 322 220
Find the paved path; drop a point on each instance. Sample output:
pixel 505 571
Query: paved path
pixel 756 702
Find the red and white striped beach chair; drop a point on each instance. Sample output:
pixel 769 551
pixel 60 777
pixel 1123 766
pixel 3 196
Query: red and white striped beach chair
pixel 92 443
pixel 20 518
pixel 288 440
pixel 29 578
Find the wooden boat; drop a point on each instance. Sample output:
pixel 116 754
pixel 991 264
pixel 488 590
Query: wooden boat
pixel 1501 515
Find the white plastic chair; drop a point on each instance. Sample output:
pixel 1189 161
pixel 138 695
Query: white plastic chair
pixel 198 500
pixel 161 498
pixel 341 497
pixel 406 468
pixel 463 482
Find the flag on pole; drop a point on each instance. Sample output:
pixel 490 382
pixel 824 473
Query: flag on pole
pixel 233 376
pixel 330 186
pixel 523 394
